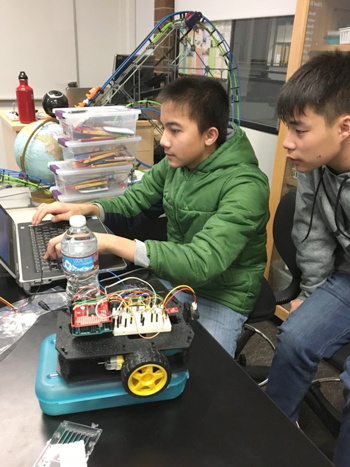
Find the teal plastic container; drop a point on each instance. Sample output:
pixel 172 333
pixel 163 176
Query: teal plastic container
pixel 56 397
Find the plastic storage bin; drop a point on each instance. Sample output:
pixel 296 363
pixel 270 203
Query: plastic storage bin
pixel 113 121
pixel 344 37
pixel 87 183
pixel 76 197
pixel 56 397
pixel 77 150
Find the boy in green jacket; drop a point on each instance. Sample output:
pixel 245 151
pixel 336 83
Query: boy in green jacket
pixel 215 199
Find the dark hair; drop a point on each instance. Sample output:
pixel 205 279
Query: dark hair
pixel 322 83
pixel 205 99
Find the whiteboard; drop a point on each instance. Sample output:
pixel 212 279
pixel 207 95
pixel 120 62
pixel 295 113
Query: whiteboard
pixel 111 32
pixel 37 37
pixel 121 26
pixel 234 9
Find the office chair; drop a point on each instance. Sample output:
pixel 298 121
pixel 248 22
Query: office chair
pixel 267 300
pixel 316 400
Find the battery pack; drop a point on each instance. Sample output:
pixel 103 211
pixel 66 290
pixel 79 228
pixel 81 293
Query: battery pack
pixel 56 397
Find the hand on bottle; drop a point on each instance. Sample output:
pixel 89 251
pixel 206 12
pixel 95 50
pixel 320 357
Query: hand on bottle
pixel 63 211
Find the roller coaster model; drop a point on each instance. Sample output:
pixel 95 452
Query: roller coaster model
pixel 180 30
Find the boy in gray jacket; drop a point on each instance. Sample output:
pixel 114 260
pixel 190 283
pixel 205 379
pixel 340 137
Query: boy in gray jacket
pixel 315 105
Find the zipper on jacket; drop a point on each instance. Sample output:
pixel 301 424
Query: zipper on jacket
pixel 187 173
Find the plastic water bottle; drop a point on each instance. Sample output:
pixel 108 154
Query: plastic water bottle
pixel 80 260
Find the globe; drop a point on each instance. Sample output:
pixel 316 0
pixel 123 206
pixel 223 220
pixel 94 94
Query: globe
pixel 42 148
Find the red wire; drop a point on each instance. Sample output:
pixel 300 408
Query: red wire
pixel 8 314
pixel 178 291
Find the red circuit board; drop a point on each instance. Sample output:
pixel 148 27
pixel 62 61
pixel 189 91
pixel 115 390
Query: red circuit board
pixel 91 314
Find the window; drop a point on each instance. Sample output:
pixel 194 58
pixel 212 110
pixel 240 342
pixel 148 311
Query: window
pixel 261 47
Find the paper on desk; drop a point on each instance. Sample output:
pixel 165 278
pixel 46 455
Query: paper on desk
pixel 63 455
pixel 14 322
pixel 72 454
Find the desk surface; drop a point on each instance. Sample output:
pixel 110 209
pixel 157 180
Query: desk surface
pixel 16 125
pixel 222 418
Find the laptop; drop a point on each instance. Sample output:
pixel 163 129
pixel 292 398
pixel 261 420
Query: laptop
pixel 22 247
pixel 76 95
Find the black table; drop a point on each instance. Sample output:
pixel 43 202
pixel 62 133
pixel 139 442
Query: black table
pixel 222 418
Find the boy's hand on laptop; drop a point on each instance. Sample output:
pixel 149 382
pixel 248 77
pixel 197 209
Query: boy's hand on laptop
pixel 104 242
pixel 63 211
pixel 54 248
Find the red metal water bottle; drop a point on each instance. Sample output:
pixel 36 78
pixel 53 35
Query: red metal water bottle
pixel 25 100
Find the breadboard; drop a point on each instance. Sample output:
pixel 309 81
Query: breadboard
pixel 137 321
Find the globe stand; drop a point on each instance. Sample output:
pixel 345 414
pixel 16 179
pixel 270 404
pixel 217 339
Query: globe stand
pixel 41 195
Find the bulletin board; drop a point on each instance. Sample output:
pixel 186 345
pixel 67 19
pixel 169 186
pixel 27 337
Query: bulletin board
pixel 37 37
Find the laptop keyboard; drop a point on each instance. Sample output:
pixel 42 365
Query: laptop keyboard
pixel 40 236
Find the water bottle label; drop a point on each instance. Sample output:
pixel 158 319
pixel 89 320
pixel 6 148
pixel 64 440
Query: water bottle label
pixel 80 265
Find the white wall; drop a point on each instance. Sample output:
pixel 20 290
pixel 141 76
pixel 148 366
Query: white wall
pixel 264 146
pixel 38 38
pixel 119 28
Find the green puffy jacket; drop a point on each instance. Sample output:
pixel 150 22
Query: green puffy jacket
pixel 216 216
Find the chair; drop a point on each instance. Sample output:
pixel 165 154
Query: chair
pixel 316 400
pixel 264 310
pixel 267 300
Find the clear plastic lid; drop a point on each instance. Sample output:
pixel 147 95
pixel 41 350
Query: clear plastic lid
pixel 77 221
pixel 79 439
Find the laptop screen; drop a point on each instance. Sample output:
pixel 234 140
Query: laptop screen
pixel 76 95
pixel 6 240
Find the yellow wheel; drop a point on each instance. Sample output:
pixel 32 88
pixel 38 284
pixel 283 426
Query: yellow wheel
pixel 145 373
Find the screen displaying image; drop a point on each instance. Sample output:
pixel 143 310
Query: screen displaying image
pixel 4 237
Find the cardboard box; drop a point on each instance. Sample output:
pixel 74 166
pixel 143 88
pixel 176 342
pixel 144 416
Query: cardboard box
pixel 145 150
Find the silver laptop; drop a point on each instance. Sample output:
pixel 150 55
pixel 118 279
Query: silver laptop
pixel 22 247
pixel 76 95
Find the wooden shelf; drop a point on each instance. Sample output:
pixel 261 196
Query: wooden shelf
pixel 330 47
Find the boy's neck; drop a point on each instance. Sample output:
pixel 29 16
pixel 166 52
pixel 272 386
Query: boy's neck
pixel 209 151
pixel 341 163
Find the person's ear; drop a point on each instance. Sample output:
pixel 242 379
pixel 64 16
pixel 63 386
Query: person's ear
pixel 212 135
pixel 344 126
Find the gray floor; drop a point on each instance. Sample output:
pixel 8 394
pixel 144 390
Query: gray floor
pixel 258 352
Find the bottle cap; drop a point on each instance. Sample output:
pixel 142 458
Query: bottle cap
pixel 22 75
pixel 77 221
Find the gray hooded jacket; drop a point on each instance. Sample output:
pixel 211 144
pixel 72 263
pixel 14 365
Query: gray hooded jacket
pixel 321 229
